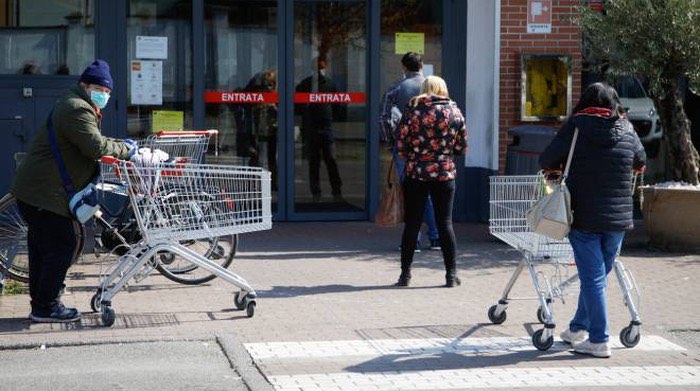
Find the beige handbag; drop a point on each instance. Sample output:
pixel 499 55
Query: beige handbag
pixel 551 216
pixel 391 212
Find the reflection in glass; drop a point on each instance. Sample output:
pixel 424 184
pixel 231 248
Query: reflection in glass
pixel 546 87
pixel 330 41
pixel 241 62
pixel 407 16
pixel 40 37
pixel 171 88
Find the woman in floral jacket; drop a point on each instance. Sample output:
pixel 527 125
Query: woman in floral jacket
pixel 431 132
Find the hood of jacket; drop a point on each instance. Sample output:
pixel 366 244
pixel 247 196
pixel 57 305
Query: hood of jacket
pixel 433 100
pixel 599 130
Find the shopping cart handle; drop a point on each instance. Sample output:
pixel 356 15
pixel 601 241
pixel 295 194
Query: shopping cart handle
pixel 109 160
pixel 208 132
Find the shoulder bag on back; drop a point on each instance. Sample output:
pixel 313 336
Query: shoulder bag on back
pixel 551 216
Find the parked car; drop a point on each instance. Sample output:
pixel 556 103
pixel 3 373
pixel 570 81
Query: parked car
pixel 642 113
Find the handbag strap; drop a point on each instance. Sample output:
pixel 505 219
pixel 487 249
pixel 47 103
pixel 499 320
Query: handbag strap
pixel 571 155
pixel 58 158
pixel 392 168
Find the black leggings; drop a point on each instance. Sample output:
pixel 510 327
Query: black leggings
pixel 415 195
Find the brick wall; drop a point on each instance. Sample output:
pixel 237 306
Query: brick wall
pixel 564 39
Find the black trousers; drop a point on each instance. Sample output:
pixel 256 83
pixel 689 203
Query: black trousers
pixel 415 195
pixel 53 243
pixel 322 146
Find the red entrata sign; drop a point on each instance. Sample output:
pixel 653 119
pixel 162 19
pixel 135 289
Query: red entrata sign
pixel 241 97
pixel 273 97
pixel 329 97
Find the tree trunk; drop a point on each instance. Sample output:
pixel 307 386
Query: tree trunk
pixel 682 157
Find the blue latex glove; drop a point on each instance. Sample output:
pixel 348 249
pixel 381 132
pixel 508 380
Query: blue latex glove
pixel 132 145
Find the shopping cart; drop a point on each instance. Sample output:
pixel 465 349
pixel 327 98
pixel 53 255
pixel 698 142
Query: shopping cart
pixel 117 228
pixel 187 146
pixel 511 197
pixel 177 202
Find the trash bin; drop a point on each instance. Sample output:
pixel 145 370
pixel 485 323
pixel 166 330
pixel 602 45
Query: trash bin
pixel 528 142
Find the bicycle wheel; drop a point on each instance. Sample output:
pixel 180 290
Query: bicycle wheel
pixel 14 259
pixel 221 250
pixel 14 255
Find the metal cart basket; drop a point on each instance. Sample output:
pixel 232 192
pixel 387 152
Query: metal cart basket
pixel 510 198
pixel 176 202
pixel 186 146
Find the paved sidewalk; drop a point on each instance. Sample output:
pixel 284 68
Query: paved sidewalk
pixel 328 318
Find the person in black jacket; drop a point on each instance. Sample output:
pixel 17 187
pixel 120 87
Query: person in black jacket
pixel 600 180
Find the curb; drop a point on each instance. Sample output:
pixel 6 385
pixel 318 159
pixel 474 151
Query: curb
pixel 243 363
pixel 46 344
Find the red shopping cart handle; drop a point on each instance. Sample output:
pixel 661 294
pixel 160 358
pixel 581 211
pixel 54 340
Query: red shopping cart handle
pixel 109 160
pixel 208 132
pixel 174 160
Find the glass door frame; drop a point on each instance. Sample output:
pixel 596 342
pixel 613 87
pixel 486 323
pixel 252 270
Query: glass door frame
pixel 287 109
pixel 111 46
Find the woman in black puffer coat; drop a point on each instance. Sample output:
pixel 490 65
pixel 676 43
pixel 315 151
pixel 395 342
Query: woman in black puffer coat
pixel 600 181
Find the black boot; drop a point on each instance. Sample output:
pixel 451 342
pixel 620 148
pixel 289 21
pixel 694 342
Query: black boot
pixel 404 279
pixel 451 280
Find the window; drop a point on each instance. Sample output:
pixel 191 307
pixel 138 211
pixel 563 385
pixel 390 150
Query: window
pixel 546 87
pixel 159 44
pixel 40 37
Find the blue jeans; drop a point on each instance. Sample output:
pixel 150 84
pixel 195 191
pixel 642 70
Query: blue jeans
pixel 595 253
pixel 428 214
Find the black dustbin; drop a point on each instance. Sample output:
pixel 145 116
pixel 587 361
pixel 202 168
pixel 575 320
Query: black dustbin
pixel 528 142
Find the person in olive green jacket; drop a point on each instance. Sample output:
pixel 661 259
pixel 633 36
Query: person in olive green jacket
pixel 53 234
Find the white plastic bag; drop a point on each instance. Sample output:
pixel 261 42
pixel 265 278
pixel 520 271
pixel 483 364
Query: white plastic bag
pixel 145 156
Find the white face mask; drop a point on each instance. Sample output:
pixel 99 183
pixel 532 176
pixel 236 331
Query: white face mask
pixel 322 72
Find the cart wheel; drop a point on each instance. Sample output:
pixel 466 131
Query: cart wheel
pixel 96 302
pixel 250 309
pixel 626 337
pixel 540 315
pixel 108 316
pixel 239 300
pixel 496 319
pixel 539 344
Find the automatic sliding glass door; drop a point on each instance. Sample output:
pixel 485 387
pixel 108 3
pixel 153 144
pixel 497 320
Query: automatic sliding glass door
pixel 330 112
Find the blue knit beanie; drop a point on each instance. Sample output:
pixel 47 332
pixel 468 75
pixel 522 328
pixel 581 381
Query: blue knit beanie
pixel 97 73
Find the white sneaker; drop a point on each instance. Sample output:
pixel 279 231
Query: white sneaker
pixel 601 350
pixel 573 337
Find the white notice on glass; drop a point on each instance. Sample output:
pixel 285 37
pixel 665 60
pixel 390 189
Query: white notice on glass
pixel 146 82
pixel 152 47
pixel 428 70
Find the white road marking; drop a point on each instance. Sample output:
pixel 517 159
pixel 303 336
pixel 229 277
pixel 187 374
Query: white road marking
pixel 554 377
pixel 465 346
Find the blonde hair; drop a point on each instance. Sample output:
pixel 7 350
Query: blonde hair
pixel 432 86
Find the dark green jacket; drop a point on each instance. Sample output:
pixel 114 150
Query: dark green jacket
pixel 77 127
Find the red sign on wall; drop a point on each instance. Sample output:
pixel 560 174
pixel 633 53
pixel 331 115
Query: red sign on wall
pixel 329 97
pixel 539 16
pixel 241 97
